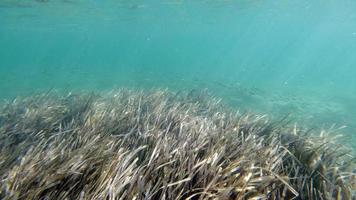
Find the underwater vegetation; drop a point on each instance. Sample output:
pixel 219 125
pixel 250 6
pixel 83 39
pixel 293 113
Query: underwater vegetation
pixel 132 144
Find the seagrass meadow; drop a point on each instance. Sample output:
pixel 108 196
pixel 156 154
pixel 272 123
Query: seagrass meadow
pixel 158 144
pixel 177 99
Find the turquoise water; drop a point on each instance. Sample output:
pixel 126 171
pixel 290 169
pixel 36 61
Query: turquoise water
pixel 274 57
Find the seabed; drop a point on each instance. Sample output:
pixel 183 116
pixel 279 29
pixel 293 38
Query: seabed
pixel 157 144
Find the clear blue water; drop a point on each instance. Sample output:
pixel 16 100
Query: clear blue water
pixel 265 56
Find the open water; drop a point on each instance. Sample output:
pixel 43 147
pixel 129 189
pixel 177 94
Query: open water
pixel 293 57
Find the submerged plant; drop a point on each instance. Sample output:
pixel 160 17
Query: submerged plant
pixel 160 145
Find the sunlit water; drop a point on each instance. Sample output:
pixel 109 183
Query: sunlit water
pixel 274 57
